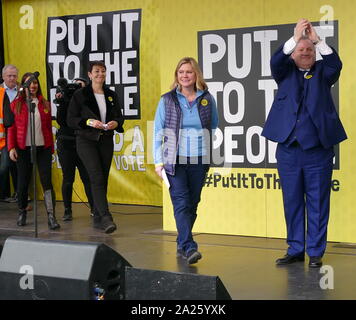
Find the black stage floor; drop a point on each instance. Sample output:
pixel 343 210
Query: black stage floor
pixel 246 265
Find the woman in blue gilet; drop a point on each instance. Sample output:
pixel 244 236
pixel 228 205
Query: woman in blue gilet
pixel 184 121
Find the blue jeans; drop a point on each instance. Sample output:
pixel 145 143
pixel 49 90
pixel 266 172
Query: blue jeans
pixel 185 190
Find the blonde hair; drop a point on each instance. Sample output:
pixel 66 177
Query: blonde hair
pixel 200 83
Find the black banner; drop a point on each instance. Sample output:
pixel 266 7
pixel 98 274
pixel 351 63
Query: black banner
pixel 113 37
pixel 236 66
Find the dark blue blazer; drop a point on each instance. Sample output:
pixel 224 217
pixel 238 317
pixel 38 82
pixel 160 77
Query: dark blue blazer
pixel 318 100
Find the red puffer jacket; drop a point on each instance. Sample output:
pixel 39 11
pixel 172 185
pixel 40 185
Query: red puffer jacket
pixel 16 134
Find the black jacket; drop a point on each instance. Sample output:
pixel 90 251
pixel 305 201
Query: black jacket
pixel 7 113
pixel 64 132
pixel 83 106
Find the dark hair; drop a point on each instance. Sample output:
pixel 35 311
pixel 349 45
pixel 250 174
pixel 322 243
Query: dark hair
pixel 96 63
pixel 23 92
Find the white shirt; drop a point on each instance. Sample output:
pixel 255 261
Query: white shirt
pixel 39 140
pixel 100 99
pixel 321 48
pixel 11 93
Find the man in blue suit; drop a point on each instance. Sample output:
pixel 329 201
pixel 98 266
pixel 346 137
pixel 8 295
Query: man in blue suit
pixel 304 122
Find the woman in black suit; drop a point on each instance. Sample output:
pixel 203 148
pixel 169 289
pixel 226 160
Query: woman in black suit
pixel 94 114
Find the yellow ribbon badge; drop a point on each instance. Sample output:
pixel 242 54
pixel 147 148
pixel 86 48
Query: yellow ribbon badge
pixel 308 76
pixel 204 102
pixel 110 98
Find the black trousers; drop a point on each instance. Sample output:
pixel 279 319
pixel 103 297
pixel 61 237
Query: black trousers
pixel 24 172
pixel 69 160
pixel 97 158
pixel 6 166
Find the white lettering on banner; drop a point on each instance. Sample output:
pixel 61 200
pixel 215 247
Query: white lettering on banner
pixel 235 71
pixel 210 56
pixel 130 163
pixel 130 145
pixel 93 22
pixel 137 140
pixel 75 48
pixel 269 86
pixel 236 66
pixel 112 37
pixel 251 132
pixel 128 100
pixel 265 37
pixel 231 144
pixel 58 32
pixel 239 104
pixel 132 158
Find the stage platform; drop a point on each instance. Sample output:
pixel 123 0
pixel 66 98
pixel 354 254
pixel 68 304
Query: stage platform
pixel 246 265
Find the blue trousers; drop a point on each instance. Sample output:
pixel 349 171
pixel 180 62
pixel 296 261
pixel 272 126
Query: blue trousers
pixel 185 190
pixel 306 183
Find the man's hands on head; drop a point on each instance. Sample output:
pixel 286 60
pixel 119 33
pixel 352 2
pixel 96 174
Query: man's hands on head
pixel 305 28
pixel 300 29
pixel 311 34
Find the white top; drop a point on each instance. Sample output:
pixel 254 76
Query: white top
pixel 321 48
pixel 100 99
pixel 11 93
pixel 39 140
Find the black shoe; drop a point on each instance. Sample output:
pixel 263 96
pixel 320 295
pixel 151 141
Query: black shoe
pixel 67 215
pixel 315 262
pixel 193 256
pixel 287 259
pixel 52 222
pixel 97 222
pixel 107 224
pixel 21 221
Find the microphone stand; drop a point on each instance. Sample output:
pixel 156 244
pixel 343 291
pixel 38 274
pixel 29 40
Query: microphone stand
pixel 31 108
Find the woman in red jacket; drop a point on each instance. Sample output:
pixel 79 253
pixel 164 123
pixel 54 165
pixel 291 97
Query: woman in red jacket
pixel 19 145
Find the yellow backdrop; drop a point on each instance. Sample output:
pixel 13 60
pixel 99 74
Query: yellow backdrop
pixel 26 48
pixel 169 32
pixel 258 212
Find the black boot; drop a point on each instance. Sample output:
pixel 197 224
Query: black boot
pixel 49 199
pixel 108 224
pixel 96 222
pixel 67 214
pixel 21 221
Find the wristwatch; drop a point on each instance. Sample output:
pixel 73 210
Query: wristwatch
pixel 317 41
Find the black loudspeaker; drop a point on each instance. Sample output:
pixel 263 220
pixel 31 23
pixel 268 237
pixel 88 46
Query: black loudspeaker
pixel 144 284
pixel 66 270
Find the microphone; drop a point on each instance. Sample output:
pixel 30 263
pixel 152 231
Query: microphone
pixel 33 77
